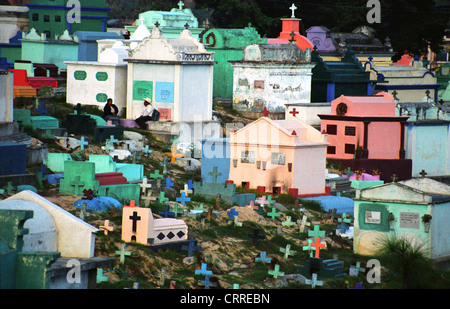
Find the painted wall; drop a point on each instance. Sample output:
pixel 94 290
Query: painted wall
pixel 340 139
pixel 215 153
pixel 384 140
pixel 256 86
pixel 428 145
pixel 49 52
pixel 6 98
pixel 309 170
pixel 367 236
pixel 86 87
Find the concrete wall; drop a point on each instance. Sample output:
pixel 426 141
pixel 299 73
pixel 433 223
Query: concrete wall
pixel 6 97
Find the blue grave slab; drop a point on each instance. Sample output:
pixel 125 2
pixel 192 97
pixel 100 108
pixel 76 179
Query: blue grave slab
pixel 13 158
pixel 342 204
pixel 101 203
pixel 54 179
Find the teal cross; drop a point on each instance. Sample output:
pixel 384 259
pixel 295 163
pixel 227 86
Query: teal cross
pixel 276 272
pixel 112 140
pixel 309 247
pixel 176 211
pixel 108 146
pixel 200 207
pixel 316 232
pixel 288 222
pixel 9 188
pixel 100 277
pixel 348 172
pixel 82 143
pixel 48 134
pixel 40 178
pixel 146 150
pixel 270 200
pixel 287 251
pixel 273 214
pixel 174 140
pixel 345 219
pixel 122 252
pixel 214 174
pixel 314 281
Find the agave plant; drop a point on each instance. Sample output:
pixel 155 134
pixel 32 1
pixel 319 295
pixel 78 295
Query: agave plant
pixel 406 260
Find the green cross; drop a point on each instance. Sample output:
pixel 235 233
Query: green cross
pixel 309 247
pixel 270 200
pixel 288 222
pixel 287 251
pixel 9 188
pixel 345 219
pixel 122 252
pixel 348 172
pixel 276 272
pixel 214 174
pixel 156 175
pixel 316 232
pixel 176 211
pixel 162 198
pixel 77 183
pixel 40 178
pixel 273 214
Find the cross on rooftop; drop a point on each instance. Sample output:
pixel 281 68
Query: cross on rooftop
pixel 394 177
pixel 294 112
pixel 265 112
pixel 157 24
pixel 293 8
pixel 180 5
pixel 78 109
pixel 423 174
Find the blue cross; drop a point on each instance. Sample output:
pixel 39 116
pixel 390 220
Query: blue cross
pixel 169 183
pixel 191 248
pixel 42 110
pixel 166 213
pixel 206 282
pixel 44 170
pixel 183 199
pixel 82 143
pixel 263 258
pixel 231 213
pixel 190 184
pixel 203 270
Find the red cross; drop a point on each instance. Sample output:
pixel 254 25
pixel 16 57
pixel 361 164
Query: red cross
pixel 318 246
pixel 294 112
pixel 294 133
pixel 265 112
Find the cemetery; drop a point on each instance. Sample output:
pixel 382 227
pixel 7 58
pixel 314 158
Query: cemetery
pixel 284 162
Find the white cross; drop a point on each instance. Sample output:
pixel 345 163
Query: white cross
pixel 303 223
pixel 145 185
pixel 180 5
pixel 142 19
pixel 293 8
pixel 186 190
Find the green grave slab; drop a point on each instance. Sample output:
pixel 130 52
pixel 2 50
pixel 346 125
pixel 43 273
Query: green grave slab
pixel 121 192
pixel 44 122
pixel 363 184
pixel 78 176
pixel 55 161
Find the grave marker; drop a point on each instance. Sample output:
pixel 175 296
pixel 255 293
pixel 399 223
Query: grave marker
pixel 232 213
pixel 100 277
pixel 191 247
pixel 287 251
pixel 169 183
pixel 256 235
pixel 203 270
pixel 318 246
pixel 273 214
pixel 313 282
pixel 316 232
pixel 123 253
pixel 308 247
pixel 162 199
pixel 106 227
pixel 183 199
pixel 343 223
pixel 146 150
pixel 186 190
pixel 304 223
pixel 263 258
pixel 214 174
pixel 288 222
pixel 166 213
pixel 82 143
pixel 276 272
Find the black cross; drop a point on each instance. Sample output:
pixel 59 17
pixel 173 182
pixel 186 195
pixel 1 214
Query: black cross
pixel 423 173
pixel 135 219
pixel 394 178
pixel 157 24
pixel 292 34
pixel 78 109
pixel 186 26
pixel 256 236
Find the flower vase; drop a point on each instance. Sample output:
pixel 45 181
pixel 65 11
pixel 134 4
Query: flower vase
pixel 427 226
